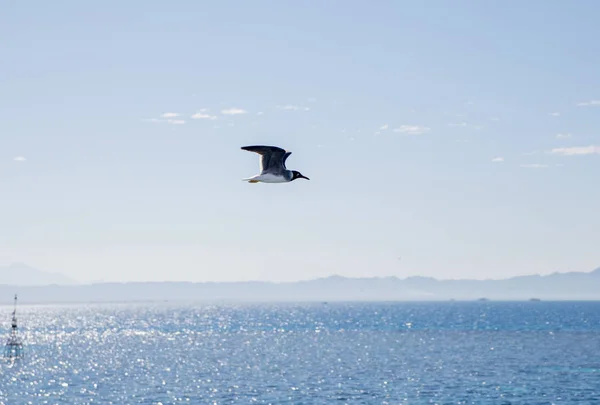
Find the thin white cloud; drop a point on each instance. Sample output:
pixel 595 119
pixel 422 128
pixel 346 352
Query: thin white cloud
pixel 460 124
pixel 384 127
pixel 233 111
pixel 554 114
pixel 563 136
pixel 176 122
pixel 412 129
pixel 170 115
pixel 289 107
pixel 578 150
pixel 260 113
pixel 495 119
pixel 19 159
pixel 203 116
pixel 534 166
pixel 312 100
pixel 498 159
pixel 590 103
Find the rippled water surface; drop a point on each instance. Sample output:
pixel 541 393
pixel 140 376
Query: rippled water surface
pixel 344 353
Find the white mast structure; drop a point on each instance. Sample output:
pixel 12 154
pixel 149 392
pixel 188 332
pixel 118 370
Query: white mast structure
pixel 14 345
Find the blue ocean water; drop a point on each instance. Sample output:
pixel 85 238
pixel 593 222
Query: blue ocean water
pixel 317 353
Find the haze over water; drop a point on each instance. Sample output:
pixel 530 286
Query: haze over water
pixel 347 353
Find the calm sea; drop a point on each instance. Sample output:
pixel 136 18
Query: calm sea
pixel 336 353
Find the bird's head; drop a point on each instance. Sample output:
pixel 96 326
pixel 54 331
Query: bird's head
pixel 298 175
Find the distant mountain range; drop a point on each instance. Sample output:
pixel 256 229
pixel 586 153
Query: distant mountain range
pixel 557 286
pixel 22 274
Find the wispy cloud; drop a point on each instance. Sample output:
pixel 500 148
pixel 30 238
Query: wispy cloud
pixel 554 114
pixel 201 115
pixel 412 129
pixel 289 107
pixel 578 150
pixel 534 166
pixel 495 119
pixel 19 159
pixel 590 103
pixel 233 111
pixel 460 124
pixel 498 159
pixel 384 127
pixel 260 113
pixel 563 136
pixel 167 120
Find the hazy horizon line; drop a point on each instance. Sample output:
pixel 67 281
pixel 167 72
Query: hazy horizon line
pixel 258 281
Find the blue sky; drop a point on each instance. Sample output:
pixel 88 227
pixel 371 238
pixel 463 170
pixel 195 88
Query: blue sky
pixel 446 139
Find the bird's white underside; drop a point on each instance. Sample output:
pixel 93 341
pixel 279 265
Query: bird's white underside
pixel 267 178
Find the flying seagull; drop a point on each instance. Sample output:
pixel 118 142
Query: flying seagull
pixel 272 165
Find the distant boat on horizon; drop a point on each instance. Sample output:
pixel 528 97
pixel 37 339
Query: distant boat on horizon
pixel 534 299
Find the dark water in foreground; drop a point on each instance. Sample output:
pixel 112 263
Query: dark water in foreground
pixel 342 353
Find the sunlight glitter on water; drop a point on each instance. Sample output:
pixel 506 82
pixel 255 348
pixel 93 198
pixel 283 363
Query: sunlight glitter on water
pixel 348 353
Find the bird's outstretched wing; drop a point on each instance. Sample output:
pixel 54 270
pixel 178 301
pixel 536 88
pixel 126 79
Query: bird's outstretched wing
pixel 272 158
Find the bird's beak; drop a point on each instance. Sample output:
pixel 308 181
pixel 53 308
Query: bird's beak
pixel 304 177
